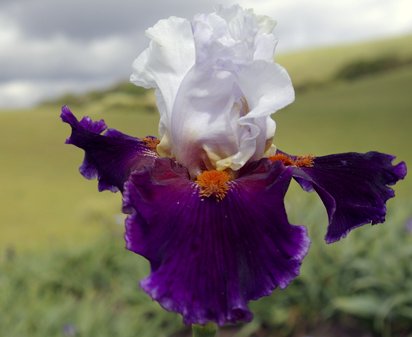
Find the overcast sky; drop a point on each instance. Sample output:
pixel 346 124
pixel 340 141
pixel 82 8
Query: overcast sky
pixel 49 47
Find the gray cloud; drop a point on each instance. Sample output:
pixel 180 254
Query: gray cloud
pixel 91 19
pixel 309 23
pixel 48 47
pixel 60 57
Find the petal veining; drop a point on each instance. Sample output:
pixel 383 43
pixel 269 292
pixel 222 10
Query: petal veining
pixel 210 257
pixel 110 156
pixel 354 187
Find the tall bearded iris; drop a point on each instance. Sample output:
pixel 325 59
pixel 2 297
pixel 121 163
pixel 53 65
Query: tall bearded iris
pixel 205 201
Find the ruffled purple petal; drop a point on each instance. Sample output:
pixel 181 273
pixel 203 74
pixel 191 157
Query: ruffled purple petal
pixel 209 257
pixel 111 156
pixel 354 188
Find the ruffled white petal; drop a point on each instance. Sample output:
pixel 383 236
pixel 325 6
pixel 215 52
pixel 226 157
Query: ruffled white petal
pixel 217 86
pixel 165 62
pixel 267 88
pixel 203 122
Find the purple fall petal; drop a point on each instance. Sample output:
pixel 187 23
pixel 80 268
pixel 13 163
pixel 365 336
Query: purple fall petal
pixel 110 156
pixel 209 257
pixel 354 188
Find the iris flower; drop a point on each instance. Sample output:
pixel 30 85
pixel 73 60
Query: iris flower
pixel 205 200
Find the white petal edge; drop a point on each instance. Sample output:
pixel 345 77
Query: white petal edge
pixel 163 65
pixel 267 88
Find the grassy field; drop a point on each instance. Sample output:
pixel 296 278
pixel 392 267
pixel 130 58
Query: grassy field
pixel 46 202
pixel 48 207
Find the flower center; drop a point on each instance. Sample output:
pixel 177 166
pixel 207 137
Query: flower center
pixel 213 182
pixel 151 142
pixel 299 161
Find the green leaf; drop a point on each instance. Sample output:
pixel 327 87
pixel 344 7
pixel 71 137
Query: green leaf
pixel 362 305
pixel 207 330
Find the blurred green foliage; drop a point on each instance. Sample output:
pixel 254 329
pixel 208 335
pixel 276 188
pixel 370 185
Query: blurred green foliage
pixel 363 282
pixel 93 291
pixel 90 291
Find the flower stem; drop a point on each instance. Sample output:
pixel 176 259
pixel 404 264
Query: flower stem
pixel 207 330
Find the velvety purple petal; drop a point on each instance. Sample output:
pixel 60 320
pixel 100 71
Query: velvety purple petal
pixel 209 257
pixel 110 156
pixel 354 188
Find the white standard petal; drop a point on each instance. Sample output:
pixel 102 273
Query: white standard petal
pixel 233 35
pixel 203 124
pixel 217 85
pixel 165 62
pixel 266 87
pixel 265 45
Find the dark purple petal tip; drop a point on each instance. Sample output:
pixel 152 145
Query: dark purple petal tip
pixel 353 186
pixel 399 171
pixel 210 257
pixel 86 123
pixel 110 156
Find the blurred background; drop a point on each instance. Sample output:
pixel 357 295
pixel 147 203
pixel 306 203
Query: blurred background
pixel 63 267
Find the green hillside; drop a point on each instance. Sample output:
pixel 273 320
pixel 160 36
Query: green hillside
pixel 308 68
pixel 322 64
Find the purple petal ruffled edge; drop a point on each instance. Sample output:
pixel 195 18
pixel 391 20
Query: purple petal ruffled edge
pixel 208 257
pixel 111 156
pixel 354 188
